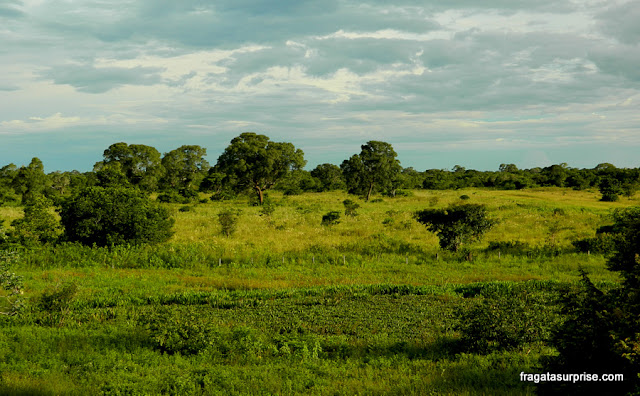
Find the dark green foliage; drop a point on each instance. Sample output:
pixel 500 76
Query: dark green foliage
pixel 464 197
pixel 184 168
pixel 11 300
pixel 516 248
pixel 507 321
pixel 38 225
pixel 331 218
pixel 184 333
pixel 602 243
pixel 610 189
pixel 185 209
pixel 373 170
pixel 30 181
pixel 114 216
pixel 110 175
pixel 600 333
pixel 139 164
pixel 350 207
pixel 175 196
pixel 254 163
pixel 229 221
pixel 456 225
pixel 329 177
pixel 55 305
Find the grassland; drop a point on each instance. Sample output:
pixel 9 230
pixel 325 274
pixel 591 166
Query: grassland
pixel 288 306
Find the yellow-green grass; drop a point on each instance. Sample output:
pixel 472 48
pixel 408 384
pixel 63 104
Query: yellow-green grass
pixel 537 217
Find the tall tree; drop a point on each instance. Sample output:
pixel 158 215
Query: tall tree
pixel 374 169
pixel 253 162
pixel 185 167
pixel 141 164
pixel 30 180
pixel 329 176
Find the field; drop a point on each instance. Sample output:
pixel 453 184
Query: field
pixel 288 306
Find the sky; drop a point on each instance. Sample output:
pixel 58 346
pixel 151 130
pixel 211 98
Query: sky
pixel 446 82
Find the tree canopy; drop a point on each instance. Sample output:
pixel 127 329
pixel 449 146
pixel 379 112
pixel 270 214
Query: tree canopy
pixel 457 224
pixel 374 169
pixel 252 162
pixel 108 216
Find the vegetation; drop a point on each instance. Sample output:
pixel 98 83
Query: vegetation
pixel 252 162
pixel 107 216
pixel 118 294
pixel 457 224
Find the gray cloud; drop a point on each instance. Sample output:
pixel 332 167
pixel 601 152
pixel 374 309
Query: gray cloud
pixel 87 78
pixel 622 21
pixel 10 9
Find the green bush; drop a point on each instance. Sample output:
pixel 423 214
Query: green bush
pixel 229 221
pixel 179 332
pixel 507 321
pixel 350 207
pixel 12 302
pixel 108 216
pixel 38 225
pixel 331 218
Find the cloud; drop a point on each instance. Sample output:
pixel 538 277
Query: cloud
pixel 10 9
pixel 91 79
pixel 621 22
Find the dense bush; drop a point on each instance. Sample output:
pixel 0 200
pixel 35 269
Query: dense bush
pixel 38 225
pixel 507 321
pixel 12 301
pixel 457 224
pixel 114 216
pixel 331 218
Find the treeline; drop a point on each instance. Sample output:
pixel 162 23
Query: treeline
pixel 252 163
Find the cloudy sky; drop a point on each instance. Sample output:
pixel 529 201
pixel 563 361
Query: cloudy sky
pixel 446 82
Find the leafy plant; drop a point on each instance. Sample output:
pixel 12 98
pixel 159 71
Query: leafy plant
pixel 228 220
pixel 38 225
pixel 350 207
pixel 331 218
pixel 456 225
pixel 56 304
pixel 114 216
pixel 11 300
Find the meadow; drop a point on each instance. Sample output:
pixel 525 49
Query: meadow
pixel 286 305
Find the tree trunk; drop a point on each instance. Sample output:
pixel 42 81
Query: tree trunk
pixel 369 192
pixel 260 196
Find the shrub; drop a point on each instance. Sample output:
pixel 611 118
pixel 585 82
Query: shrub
pixel 108 216
pixel 331 218
pixel 183 332
pixel 350 207
pixel 456 225
pixel 12 302
pixel 464 197
pixel 229 221
pixel 506 321
pixel 38 225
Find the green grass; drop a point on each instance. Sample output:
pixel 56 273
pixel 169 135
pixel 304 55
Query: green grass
pixel 288 306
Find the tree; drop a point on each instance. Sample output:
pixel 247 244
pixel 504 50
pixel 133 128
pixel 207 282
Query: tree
pixel 38 225
pixel 139 163
pixel 108 216
pixel 329 176
pixel 610 189
pixel 374 169
pixel 254 163
pixel 599 333
pixel 30 180
pixel 184 167
pixel 456 225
